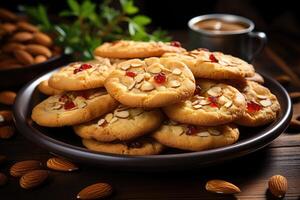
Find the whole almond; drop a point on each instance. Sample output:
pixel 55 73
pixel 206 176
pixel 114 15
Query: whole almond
pixel 40 59
pixel 9 63
pixel 12 46
pixel 36 49
pixel 6 116
pixel 23 167
pixel 61 164
pixel 2 159
pixel 22 37
pixel 42 38
pixel 221 186
pixel 95 191
pixel 24 57
pixel 7 97
pixel 7 15
pixel 278 185
pixel 25 26
pixel 8 27
pixel 33 178
pixel 3 179
pixel 6 132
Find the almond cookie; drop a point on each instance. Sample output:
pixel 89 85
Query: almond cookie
pixel 262 105
pixel 81 75
pixel 44 88
pixel 195 138
pixel 123 123
pixel 139 147
pixel 214 65
pixel 213 104
pixel 136 49
pixel 71 108
pixel 150 83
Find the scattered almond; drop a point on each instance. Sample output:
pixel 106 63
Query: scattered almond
pixel 109 117
pixel 215 91
pixel 228 104
pixel 23 167
pixel 40 59
pixel 265 102
pixel 43 39
pixel 6 116
pixel 6 132
pixel 278 185
pixel 12 46
pixel 24 57
pixel 7 97
pixel 3 179
pixel 22 37
pixel 174 83
pixel 7 15
pixel 37 49
pixel 203 134
pixel 122 114
pixel 25 26
pixel 220 186
pixel 61 164
pixel 114 119
pixel 146 86
pixel 33 178
pixel 214 132
pixel 95 191
pixel 176 71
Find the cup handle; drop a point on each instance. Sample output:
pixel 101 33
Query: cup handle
pixel 262 38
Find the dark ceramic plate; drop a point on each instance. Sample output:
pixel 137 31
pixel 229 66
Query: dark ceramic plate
pixel 63 142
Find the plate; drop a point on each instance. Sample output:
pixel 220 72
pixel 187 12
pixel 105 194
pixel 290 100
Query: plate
pixel 63 142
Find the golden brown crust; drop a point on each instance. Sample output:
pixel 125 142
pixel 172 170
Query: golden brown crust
pixel 44 88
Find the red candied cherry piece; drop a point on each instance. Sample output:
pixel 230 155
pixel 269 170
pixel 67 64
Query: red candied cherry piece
pixel 253 107
pixel 212 58
pixel 191 130
pixel 175 44
pixel 130 74
pixel 82 67
pixel 69 105
pixel 213 101
pixel 160 78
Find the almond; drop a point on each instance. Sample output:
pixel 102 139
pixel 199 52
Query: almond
pixel 25 26
pixel 95 191
pixel 6 132
pixel 3 179
pixel 7 15
pixel 278 185
pixel 7 97
pixel 23 167
pixel 40 59
pixel 24 57
pixel 12 46
pixel 220 186
pixel 2 159
pixel 36 49
pixel 22 37
pixel 8 28
pixel 33 179
pixel 10 63
pixel 43 39
pixel 61 164
pixel 6 116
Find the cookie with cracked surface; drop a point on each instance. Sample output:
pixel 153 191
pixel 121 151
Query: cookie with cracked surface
pixel 139 147
pixel 262 106
pixel 195 138
pixel 213 104
pixel 81 75
pixel 44 88
pixel 71 108
pixel 150 83
pixel 125 49
pixel 122 124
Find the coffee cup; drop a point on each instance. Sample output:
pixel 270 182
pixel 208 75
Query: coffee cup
pixel 227 33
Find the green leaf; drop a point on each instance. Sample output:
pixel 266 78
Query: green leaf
pixel 66 13
pixel 87 8
pixel 141 20
pixel 128 7
pixel 75 7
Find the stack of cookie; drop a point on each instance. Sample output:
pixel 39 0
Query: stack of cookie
pixel 137 98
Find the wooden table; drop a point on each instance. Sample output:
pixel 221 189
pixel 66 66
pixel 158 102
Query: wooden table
pixel 250 173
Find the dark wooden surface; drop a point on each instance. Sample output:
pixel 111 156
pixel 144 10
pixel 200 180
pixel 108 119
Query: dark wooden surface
pixel 250 173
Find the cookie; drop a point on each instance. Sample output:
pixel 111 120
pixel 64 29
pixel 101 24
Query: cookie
pixel 81 75
pixel 195 138
pixel 123 123
pixel 262 106
pixel 214 65
pixel 44 88
pixel 71 108
pixel 140 147
pixel 150 83
pixel 257 78
pixel 125 49
pixel 213 104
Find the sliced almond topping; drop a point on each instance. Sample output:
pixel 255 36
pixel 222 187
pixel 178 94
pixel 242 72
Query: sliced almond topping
pixel 131 86
pixel 122 107
pixel 174 83
pixel 176 71
pixel 97 94
pixel 101 122
pixel 139 78
pixel 147 76
pixel 123 114
pixel 195 102
pixel 108 117
pixel 266 102
pixel 228 104
pixel 82 104
pixel 114 119
pixel 127 81
pixel 56 107
pixel 204 102
pixel 146 86
pixel 136 64
pixel 203 134
pixel 261 96
pixel 177 130
pixel 136 111
pixel 125 66
pixel 199 97
pixel 197 106
pixel 161 88
pixel 138 85
pixel 215 91
pixel 223 99
pixel 154 70
pixel 214 132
